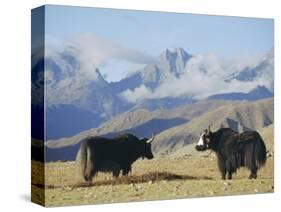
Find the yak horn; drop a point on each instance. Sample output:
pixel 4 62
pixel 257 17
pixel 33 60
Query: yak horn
pixel 150 140
pixel 209 128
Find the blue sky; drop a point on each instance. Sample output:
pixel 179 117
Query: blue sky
pixel 153 32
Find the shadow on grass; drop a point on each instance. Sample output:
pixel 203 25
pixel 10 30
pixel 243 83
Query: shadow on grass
pixel 134 179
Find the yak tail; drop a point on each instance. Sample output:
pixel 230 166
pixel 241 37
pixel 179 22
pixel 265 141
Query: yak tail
pixel 255 155
pixel 82 158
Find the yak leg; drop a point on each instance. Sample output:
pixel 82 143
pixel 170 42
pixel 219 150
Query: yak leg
pixel 230 169
pixel 116 173
pixel 126 170
pixel 223 174
pixel 229 175
pixel 89 177
pixel 253 174
pixel 222 167
pixel 93 173
pixel 253 167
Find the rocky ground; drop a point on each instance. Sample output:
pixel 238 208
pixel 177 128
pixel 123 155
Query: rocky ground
pixel 161 178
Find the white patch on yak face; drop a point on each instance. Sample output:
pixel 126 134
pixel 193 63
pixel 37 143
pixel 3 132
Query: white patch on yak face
pixel 201 142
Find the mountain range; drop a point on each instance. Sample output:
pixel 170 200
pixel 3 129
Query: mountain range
pixel 76 102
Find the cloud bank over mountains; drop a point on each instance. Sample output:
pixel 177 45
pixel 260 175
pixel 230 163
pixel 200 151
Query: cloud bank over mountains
pixel 205 75
pixel 72 72
pixel 93 52
pixel 73 67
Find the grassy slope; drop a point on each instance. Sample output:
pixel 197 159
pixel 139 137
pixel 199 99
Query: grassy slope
pixel 135 118
pixel 253 115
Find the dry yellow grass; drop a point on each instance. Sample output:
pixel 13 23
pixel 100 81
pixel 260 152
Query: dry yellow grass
pixel 185 174
pixel 160 178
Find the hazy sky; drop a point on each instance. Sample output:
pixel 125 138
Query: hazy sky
pixel 152 32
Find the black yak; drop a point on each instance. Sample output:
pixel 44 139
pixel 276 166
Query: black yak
pixel 234 150
pixel 98 154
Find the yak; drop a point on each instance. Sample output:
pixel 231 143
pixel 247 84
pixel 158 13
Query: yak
pixel 234 150
pixel 99 154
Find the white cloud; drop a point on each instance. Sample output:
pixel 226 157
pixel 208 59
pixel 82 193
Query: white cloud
pixel 93 52
pixel 203 76
pixel 68 83
pixel 137 94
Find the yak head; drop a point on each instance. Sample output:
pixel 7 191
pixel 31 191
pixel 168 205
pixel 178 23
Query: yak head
pixel 204 142
pixel 146 151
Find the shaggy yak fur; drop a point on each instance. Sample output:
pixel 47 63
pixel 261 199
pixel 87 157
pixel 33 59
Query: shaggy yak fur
pixel 235 150
pixel 98 154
